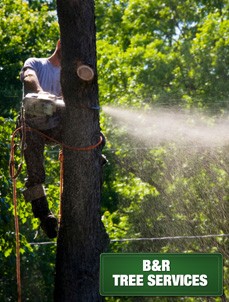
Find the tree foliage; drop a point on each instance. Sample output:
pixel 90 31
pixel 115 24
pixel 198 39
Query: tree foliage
pixel 163 52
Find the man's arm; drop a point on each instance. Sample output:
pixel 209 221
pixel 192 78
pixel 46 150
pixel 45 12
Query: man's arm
pixel 30 80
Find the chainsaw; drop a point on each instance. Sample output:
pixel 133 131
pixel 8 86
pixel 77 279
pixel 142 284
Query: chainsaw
pixel 42 110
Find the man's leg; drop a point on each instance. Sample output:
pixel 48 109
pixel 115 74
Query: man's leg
pixel 35 193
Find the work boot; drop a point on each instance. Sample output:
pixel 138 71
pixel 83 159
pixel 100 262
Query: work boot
pixel 48 221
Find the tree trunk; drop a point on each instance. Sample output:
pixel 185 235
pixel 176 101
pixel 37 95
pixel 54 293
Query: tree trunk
pixel 82 236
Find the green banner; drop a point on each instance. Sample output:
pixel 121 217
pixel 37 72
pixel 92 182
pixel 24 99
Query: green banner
pixel 150 274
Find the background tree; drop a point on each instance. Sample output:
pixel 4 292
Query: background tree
pixel 152 57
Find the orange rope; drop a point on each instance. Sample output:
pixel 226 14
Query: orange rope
pixel 12 163
pixel 61 159
pixel 18 259
pixel 14 176
pixel 88 148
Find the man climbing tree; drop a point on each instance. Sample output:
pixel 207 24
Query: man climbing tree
pixel 40 75
pixel 82 236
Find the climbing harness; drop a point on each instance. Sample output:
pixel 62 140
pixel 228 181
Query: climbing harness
pixel 14 173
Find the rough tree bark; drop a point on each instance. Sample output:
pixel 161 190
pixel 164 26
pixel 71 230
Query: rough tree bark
pixel 82 236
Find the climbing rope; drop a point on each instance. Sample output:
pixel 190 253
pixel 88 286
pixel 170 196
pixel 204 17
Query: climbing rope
pixel 18 269
pixel 24 129
pixel 61 160
pixel 15 173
